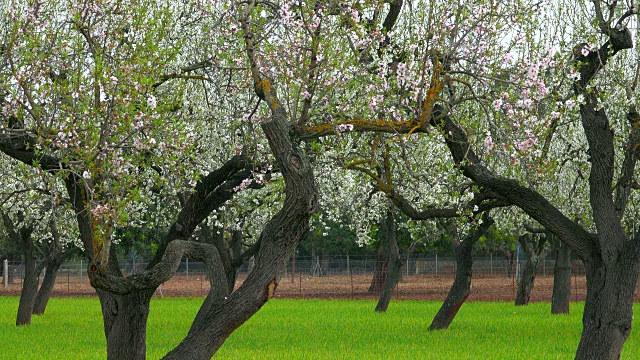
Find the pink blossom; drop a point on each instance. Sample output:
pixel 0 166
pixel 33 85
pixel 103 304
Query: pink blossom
pixel 488 141
pixel 151 101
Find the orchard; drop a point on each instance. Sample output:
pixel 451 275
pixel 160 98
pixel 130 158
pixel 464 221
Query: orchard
pixel 231 130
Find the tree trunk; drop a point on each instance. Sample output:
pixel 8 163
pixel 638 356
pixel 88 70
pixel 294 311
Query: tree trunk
pixel 46 288
pixel 461 287
pixel 460 290
pixel 508 256
pixel 561 280
pixel 125 323
pixel 534 249
pixel 380 271
pixel 608 310
pixel 278 240
pixel 394 264
pixel 29 289
pixel 526 282
pixel 30 282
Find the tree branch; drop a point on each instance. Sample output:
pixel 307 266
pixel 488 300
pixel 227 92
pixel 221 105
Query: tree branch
pixel 530 201
pixel 165 269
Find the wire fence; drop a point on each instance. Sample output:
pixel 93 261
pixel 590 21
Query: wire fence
pixel 494 278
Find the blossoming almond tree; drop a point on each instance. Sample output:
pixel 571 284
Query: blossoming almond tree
pixel 93 94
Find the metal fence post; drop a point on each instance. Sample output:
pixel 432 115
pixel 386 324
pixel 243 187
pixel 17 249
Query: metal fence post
pixel 80 270
pixel 5 273
pixel 436 264
pixel 491 265
pixel 187 260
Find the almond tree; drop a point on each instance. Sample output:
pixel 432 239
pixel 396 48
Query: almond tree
pixel 94 94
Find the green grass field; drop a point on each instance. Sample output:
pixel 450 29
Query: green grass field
pixel 315 329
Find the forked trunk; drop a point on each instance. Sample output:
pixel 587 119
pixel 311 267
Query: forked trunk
pixel 46 288
pixel 608 310
pixel 278 240
pixel 460 290
pixel 125 324
pixel 561 280
pixel 215 325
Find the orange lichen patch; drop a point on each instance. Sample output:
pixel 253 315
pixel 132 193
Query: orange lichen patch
pixel 264 85
pixel 357 162
pixel 433 95
pixel 361 125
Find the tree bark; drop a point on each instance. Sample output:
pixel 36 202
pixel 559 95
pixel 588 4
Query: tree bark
pixel 279 238
pixel 29 285
pixel 534 251
pixel 394 264
pixel 381 268
pixel 46 288
pixel 461 287
pixel 608 310
pixel 561 280
pixel 125 323
pixel 22 236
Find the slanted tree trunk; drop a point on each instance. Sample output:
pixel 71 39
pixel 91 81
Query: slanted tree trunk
pixel 394 264
pixel 561 280
pixel 46 288
pixel 278 240
pixel 535 252
pixel 381 268
pixel 461 287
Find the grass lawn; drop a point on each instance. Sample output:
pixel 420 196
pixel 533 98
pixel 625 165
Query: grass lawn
pixel 315 329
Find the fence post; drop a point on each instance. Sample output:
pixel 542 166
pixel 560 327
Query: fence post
pixel 491 265
pixel 81 271
pixel 293 266
pixel 436 264
pixel 187 260
pixel 350 274
pixel 407 266
pixel 5 273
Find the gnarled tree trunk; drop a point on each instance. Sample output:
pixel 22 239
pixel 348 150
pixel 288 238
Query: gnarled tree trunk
pixel 561 280
pixel 608 310
pixel 278 240
pixel 125 323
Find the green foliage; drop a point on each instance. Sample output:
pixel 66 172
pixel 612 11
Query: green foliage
pixel 316 329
